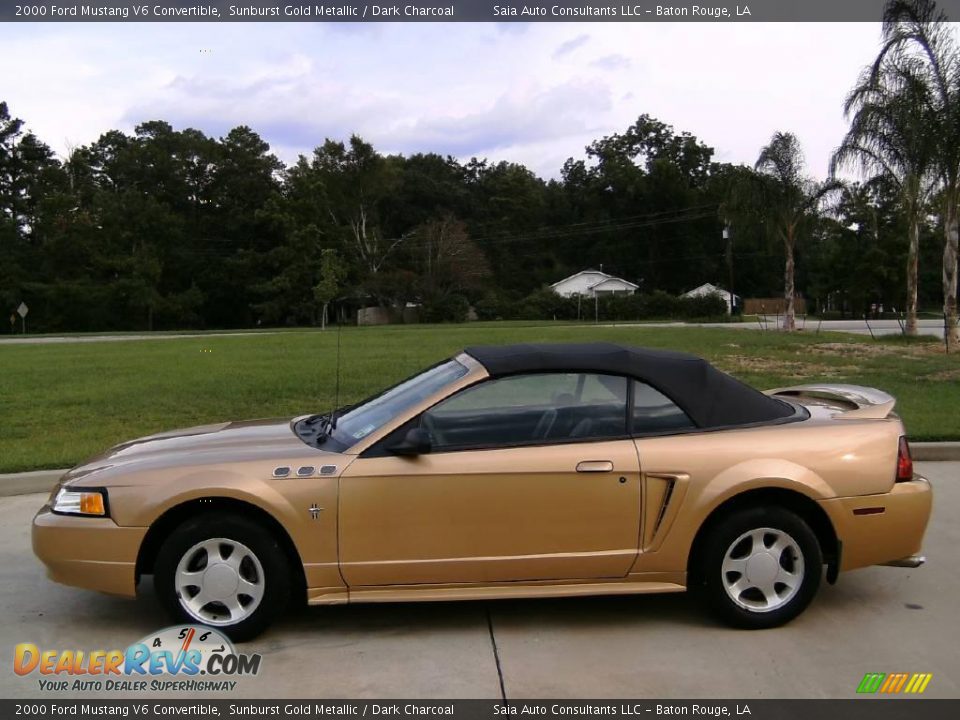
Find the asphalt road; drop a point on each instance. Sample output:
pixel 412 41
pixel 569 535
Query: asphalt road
pixel 58 339
pixel 874 620
pixel 878 327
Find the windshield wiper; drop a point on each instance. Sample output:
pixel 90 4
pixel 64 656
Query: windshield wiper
pixel 328 421
pixel 323 419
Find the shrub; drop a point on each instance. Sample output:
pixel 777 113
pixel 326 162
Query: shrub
pixel 450 308
pixel 495 305
pixel 711 305
pixel 547 305
pixel 659 304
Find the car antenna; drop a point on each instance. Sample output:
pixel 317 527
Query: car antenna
pixel 336 392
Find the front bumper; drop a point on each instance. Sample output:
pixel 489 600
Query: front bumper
pixel 882 529
pixel 86 552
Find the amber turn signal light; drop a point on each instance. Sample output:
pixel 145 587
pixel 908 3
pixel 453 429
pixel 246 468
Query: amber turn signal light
pixel 80 502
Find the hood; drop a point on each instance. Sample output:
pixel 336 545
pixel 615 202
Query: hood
pixel 223 443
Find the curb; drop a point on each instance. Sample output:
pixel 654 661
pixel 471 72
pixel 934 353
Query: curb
pixel 935 451
pixel 29 482
pixel 44 480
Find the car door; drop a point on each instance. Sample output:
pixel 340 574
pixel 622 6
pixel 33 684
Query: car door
pixel 529 477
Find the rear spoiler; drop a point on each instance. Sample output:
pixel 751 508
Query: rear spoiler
pixel 869 403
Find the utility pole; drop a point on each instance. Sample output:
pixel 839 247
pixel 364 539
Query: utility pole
pixel 728 236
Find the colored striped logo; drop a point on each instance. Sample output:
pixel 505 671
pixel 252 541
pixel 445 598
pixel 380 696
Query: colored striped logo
pixel 906 683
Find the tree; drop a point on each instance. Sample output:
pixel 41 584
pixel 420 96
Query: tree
pixel 356 181
pixel 890 138
pixel 917 33
pixel 449 262
pixel 793 200
pixel 856 259
pixel 237 226
pixel 332 273
pixel 644 198
pixel 33 189
pixel 506 214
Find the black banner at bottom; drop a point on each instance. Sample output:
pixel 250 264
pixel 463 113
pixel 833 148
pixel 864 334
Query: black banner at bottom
pixel 865 708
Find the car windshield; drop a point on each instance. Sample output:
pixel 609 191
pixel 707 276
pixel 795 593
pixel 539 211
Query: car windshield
pixel 363 419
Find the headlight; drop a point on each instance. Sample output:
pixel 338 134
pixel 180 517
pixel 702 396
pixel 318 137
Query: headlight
pixel 81 502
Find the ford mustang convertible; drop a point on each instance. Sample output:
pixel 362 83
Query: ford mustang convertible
pixel 504 472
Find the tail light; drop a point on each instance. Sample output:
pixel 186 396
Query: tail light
pixel 904 462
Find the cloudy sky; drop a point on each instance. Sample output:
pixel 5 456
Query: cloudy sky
pixel 533 93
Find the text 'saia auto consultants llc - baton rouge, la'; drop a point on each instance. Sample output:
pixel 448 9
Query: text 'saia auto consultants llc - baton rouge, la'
pixel 187 658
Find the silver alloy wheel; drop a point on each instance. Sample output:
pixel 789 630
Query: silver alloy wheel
pixel 762 569
pixel 219 581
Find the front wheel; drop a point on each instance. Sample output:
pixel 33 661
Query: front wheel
pixel 225 572
pixel 760 568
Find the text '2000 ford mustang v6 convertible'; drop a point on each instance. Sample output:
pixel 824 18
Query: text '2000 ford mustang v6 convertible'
pixel 513 471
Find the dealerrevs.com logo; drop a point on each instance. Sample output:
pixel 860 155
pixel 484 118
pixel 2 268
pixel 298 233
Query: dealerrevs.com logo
pixel 184 658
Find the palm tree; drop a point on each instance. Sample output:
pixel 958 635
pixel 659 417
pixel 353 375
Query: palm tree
pixel 793 201
pixel 889 139
pixel 917 33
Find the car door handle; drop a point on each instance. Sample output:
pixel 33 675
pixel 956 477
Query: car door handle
pixel 594 466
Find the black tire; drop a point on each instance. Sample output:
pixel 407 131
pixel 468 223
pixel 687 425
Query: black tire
pixel 276 572
pixel 710 581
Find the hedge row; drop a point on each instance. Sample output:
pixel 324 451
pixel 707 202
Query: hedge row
pixel 547 305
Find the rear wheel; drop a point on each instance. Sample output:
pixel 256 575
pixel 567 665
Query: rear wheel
pixel 225 572
pixel 759 568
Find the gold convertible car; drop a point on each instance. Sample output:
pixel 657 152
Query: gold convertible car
pixel 504 472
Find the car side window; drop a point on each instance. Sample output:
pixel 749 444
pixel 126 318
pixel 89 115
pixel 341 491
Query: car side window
pixel 654 412
pixel 531 409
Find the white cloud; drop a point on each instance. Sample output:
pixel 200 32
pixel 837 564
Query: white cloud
pixel 535 93
pixel 612 62
pixel 569 46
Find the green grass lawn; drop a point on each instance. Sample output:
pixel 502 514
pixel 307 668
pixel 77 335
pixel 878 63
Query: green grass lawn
pixel 61 403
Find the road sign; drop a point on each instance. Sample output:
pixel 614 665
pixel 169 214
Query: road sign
pixel 22 311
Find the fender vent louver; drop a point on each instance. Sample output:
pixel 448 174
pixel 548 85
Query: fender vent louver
pixel 663 506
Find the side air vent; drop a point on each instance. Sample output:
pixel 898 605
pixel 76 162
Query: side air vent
pixel 662 498
pixel 663 506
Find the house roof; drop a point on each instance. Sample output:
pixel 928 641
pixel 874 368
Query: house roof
pixel 582 272
pixel 606 277
pixel 612 279
pixel 710 398
pixel 707 286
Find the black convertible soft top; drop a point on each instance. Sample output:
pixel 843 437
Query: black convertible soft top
pixel 710 398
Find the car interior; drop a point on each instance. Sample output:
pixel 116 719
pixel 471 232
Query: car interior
pixel 548 407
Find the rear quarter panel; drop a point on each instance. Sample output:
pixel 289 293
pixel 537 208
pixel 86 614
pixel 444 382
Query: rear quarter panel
pixel 821 458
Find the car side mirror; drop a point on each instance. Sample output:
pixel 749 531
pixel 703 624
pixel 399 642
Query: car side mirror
pixel 415 442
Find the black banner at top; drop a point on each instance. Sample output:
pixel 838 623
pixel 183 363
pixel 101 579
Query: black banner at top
pixel 242 709
pixel 451 11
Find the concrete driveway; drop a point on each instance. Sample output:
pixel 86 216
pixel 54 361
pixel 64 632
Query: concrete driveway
pixel 860 327
pixel 874 620
pixel 810 325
